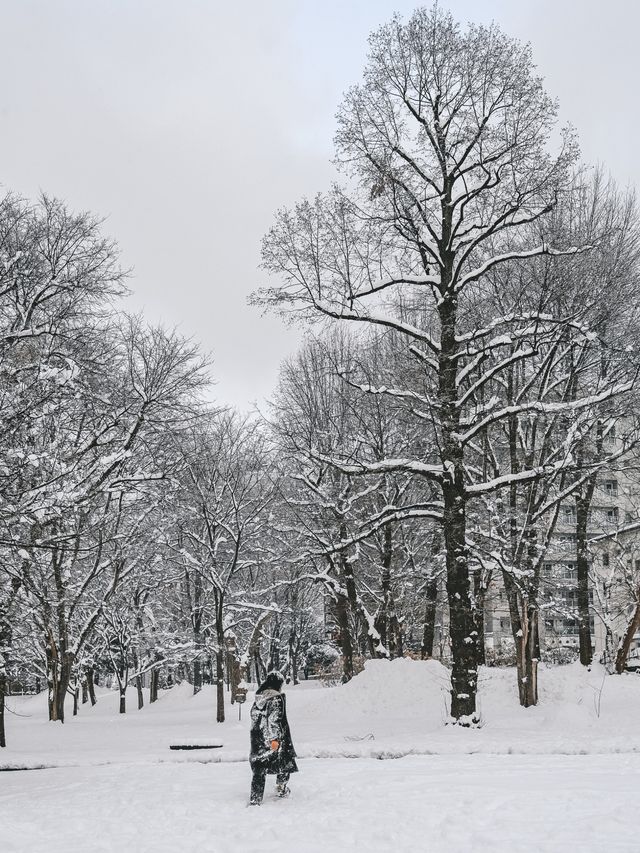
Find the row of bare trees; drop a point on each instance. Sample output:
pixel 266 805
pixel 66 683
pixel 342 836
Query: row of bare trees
pixel 477 377
pixel 134 515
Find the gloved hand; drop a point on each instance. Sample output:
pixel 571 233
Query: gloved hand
pixel 275 744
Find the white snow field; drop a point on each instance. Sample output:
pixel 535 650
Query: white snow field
pixel 564 775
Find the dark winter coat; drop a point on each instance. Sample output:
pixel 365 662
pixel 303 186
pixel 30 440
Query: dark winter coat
pixel 269 722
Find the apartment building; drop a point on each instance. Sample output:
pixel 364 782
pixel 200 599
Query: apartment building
pixel 614 544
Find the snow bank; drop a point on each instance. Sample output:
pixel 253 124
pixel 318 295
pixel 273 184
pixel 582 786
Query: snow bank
pixel 390 710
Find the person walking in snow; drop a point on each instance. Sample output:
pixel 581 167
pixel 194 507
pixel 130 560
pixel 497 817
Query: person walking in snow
pixel 271 745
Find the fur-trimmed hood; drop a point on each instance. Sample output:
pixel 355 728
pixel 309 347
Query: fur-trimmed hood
pixel 261 699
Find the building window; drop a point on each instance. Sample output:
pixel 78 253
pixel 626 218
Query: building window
pixel 605 560
pixel 569 514
pixel 547 570
pixel 611 488
pixel 570 597
pixel 569 571
pixel 505 624
pixel 612 514
pixel 610 436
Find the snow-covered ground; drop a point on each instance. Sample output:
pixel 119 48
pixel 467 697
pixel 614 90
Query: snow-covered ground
pixel 562 774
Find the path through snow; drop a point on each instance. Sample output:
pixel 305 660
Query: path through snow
pixel 439 804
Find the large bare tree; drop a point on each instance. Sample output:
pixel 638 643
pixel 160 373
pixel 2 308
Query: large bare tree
pixel 445 147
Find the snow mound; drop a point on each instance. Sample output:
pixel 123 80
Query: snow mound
pixel 382 702
pixel 393 685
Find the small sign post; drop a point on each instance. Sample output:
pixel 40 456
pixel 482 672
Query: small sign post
pixel 240 698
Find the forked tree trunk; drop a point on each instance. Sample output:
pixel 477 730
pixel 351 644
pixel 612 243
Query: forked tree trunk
pixel 527 645
pixel 59 668
pixel 524 626
pixel 522 599
pixel 253 647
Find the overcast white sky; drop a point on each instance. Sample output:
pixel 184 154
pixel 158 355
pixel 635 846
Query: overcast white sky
pixel 187 123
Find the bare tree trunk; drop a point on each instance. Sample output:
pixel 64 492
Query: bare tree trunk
pixel 233 668
pixel 220 651
pixel 431 598
pixel 386 612
pixel 220 686
pixel 527 644
pixel 530 645
pixel 273 661
pixel 59 665
pixel 522 598
pixel 3 687
pixel 479 594
pixel 123 680
pixel 429 625
pixel 66 669
pixel 196 619
pixel 625 643
pixel 293 655
pixel 153 685
pixel 526 671
pixel 52 676
pixel 464 670
pixel 583 502
pixel 138 678
pixel 360 635
pixel 342 618
pixel 91 685
pixel 258 665
pixel 5 643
